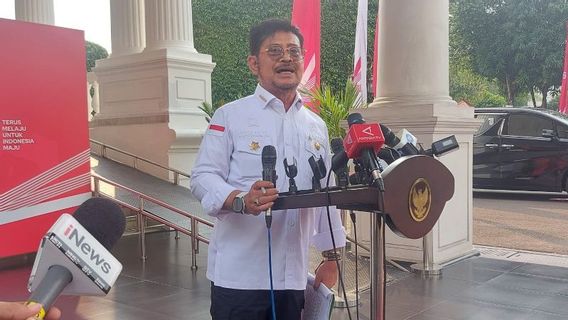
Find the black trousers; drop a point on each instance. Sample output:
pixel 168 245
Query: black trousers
pixel 234 304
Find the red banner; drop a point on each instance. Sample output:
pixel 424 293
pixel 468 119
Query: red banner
pixel 44 150
pixel 306 16
pixel 563 102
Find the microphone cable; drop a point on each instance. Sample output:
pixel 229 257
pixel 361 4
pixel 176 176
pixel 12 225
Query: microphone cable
pixel 272 302
pixel 341 283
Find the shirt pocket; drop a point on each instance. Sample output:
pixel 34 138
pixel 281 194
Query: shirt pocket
pixel 247 157
pixel 315 146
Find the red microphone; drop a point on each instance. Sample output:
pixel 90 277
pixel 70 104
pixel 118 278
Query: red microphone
pixel 363 141
pixel 363 136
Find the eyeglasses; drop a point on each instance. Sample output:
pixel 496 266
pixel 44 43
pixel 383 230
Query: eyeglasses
pixel 277 52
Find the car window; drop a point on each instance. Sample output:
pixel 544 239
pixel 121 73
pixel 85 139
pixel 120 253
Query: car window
pixel 562 131
pixel 527 125
pixel 489 120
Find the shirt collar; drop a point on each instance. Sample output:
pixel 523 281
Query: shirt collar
pixel 266 97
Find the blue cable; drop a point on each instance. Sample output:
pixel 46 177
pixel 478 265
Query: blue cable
pixel 270 272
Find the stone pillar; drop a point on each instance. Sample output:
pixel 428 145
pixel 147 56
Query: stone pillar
pixel 149 101
pixel 169 24
pixel 127 27
pixel 413 93
pixel 38 11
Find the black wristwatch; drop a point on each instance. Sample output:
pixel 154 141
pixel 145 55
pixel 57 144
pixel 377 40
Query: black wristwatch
pixel 239 203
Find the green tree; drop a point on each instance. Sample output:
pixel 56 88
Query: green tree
pixel 221 29
pixel 514 41
pixel 465 83
pixel 541 45
pixel 94 53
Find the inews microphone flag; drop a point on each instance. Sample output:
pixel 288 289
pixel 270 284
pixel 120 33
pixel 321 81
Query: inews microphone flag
pixel 376 57
pixel 307 17
pixel 563 102
pixel 359 77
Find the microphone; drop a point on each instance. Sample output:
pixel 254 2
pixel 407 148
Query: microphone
pixel 339 162
pixel 269 174
pixel 363 141
pixel 73 256
pixel 407 144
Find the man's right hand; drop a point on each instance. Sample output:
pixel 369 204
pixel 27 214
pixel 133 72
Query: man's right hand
pixel 260 197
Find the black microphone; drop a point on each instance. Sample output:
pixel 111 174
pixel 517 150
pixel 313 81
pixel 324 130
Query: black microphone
pixel 339 162
pixel 269 174
pixel 73 260
pixel 391 139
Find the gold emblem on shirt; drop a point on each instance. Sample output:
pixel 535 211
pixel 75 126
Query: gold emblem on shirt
pixel 317 145
pixel 254 146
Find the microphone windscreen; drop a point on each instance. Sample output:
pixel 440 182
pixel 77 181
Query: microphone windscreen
pixel 337 145
pixel 391 139
pixel 103 219
pixel 355 118
pixel 269 157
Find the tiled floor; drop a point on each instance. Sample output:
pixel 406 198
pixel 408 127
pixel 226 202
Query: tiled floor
pixel 164 287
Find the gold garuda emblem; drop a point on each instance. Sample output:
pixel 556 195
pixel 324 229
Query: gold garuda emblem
pixel 419 199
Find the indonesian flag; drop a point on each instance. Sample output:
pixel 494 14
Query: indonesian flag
pixel 376 58
pixel 563 103
pixel 306 16
pixel 360 55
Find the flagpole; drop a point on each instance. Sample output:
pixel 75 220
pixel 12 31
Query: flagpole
pixel 563 102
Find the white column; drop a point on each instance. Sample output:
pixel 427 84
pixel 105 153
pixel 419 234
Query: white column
pixel 127 27
pixel 38 11
pixel 413 52
pixel 413 93
pixel 169 24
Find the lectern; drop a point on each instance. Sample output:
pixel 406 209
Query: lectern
pixel 416 191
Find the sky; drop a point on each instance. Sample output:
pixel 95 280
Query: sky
pixel 91 16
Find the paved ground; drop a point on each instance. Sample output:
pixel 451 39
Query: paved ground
pixel 533 222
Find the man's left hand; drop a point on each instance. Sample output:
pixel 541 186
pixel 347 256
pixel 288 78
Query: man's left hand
pixel 326 273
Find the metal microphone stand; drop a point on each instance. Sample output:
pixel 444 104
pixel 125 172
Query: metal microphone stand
pixel 397 210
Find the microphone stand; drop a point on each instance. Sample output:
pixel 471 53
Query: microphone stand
pixel 378 271
pixel 398 178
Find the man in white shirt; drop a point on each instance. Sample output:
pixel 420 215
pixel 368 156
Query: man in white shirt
pixel 227 177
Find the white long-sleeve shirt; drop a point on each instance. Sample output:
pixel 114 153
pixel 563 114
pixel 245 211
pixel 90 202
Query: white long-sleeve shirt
pixel 230 159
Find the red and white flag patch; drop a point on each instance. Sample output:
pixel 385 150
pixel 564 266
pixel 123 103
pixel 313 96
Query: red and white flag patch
pixel 216 130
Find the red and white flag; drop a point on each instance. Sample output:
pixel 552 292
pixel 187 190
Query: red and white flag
pixel 306 16
pixel 360 54
pixel 376 58
pixel 563 103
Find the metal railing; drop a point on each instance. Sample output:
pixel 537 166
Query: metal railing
pixel 103 153
pixel 142 214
